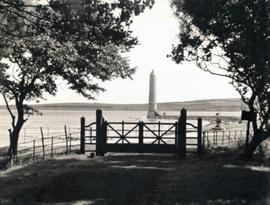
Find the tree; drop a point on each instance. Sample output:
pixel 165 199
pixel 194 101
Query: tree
pixel 23 9
pixel 230 38
pixel 80 42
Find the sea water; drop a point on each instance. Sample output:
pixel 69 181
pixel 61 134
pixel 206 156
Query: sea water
pixel 52 122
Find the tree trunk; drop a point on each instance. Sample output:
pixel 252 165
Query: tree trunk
pixel 14 138
pixel 14 143
pixel 252 146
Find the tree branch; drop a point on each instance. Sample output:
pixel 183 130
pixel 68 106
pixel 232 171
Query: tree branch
pixel 252 110
pixel 265 119
pixel 204 68
pixel 9 110
pixel 17 7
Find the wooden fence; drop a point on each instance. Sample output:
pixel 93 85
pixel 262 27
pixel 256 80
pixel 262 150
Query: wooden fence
pixel 222 138
pixel 102 136
pixel 177 137
pixel 48 147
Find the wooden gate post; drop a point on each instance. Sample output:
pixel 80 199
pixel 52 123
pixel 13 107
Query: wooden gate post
pixel 100 141
pixel 82 137
pixel 104 136
pixel 182 124
pixel 141 136
pixel 199 139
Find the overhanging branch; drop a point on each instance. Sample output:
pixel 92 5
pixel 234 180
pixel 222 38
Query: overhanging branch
pixel 9 110
pixel 204 68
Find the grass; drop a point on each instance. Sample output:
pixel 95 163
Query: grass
pixel 138 179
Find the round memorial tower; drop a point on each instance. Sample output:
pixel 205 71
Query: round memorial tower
pixel 152 104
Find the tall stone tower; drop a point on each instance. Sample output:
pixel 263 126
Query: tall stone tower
pixel 152 104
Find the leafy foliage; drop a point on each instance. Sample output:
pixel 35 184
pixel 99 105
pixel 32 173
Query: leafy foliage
pixel 80 42
pixel 230 38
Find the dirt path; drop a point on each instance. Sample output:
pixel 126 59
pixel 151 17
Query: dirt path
pixel 137 179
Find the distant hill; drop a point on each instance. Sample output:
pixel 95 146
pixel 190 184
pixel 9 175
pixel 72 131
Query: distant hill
pixel 231 104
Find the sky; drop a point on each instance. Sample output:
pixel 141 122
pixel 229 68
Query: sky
pixel 157 31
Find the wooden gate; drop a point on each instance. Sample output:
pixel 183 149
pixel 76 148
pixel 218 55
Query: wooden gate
pixel 142 137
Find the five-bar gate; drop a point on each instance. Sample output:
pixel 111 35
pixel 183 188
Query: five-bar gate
pixel 177 137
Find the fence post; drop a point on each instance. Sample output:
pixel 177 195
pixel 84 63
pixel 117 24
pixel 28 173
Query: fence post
pixel 247 135
pixel 141 136
pixel 203 141
pixel 70 142
pixel 66 137
pixel 82 137
pixel 104 135
pixel 91 135
pixel 200 148
pixel 229 138
pixel 52 147
pixel 99 132
pixel 176 136
pixel 216 140
pixel 223 137
pixel 34 150
pixel 182 133
pixel 42 141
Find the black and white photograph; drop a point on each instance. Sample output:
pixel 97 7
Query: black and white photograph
pixel 135 102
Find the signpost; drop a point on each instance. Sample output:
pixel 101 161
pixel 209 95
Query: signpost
pixel 249 116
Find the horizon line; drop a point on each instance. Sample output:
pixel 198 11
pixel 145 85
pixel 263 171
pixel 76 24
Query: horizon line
pixel 58 103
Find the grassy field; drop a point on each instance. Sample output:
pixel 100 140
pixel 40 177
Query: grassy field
pixel 138 179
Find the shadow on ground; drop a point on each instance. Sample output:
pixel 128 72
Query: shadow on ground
pixel 137 179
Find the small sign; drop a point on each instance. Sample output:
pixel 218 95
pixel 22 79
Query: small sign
pixel 249 116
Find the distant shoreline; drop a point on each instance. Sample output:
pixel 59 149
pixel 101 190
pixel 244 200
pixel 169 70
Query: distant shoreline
pixel 216 105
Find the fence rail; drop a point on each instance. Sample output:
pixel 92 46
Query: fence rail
pixel 221 138
pixel 41 147
pixel 104 136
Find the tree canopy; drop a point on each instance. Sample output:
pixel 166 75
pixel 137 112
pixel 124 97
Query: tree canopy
pixel 80 42
pixel 230 38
